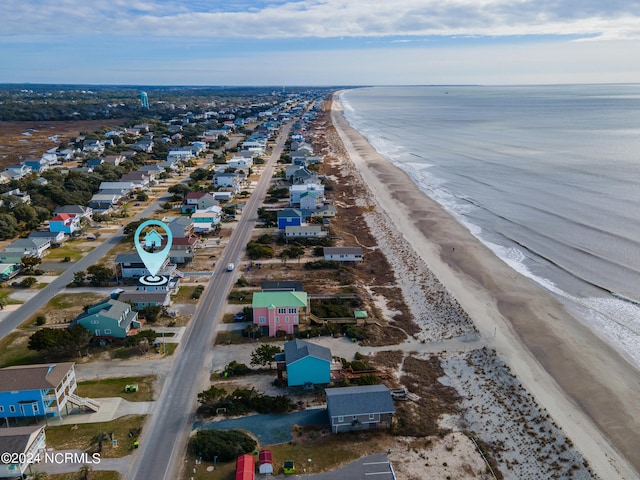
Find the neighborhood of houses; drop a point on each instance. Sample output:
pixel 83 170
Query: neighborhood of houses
pixel 31 394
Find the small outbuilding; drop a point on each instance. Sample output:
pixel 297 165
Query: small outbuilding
pixel 245 467
pixel 265 462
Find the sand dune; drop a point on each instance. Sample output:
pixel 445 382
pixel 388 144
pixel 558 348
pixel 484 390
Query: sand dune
pixel 585 385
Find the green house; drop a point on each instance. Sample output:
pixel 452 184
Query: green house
pixel 111 319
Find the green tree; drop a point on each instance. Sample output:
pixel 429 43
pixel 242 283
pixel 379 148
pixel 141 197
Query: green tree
pixel 79 278
pixel 100 275
pixel 60 342
pixel 210 398
pixel 28 282
pixel 265 354
pixel 256 251
pixel 8 226
pixel 29 263
pixel 198 175
pixel 225 445
pixel 179 189
pixel 151 312
pixel 26 215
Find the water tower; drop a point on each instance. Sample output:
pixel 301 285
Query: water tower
pixel 144 100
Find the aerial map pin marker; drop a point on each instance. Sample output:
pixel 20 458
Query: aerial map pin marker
pixel 155 259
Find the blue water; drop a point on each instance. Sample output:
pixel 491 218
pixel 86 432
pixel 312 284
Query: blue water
pixel 547 176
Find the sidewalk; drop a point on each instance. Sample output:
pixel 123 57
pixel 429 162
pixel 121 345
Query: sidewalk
pixel 65 461
pixel 110 409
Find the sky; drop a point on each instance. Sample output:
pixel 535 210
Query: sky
pixel 319 42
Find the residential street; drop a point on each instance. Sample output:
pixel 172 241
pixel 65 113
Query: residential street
pixel 15 318
pixel 164 439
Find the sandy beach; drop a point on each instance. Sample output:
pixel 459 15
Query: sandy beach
pixel 589 390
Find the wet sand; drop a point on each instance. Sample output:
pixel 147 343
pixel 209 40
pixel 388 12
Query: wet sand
pixel 588 388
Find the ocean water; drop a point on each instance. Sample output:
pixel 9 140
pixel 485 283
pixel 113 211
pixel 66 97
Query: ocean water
pixel 547 176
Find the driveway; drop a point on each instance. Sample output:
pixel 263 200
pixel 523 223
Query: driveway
pixel 270 429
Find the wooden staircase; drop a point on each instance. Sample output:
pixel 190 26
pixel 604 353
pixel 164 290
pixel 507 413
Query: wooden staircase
pixel 83 402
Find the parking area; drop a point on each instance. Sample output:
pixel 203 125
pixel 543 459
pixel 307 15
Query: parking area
pixel 373 467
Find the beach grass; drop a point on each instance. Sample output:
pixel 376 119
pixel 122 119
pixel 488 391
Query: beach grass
pixel 84 436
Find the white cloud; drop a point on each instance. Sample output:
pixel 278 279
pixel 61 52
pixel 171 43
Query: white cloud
pixel 614 19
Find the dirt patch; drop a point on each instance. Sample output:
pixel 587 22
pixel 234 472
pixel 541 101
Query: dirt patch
pixel 421 417
pixel 22 140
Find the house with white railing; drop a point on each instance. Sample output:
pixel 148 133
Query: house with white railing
pixel 40 390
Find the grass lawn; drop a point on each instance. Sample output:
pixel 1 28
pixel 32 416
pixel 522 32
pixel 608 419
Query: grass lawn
pixel 71 249
pixel 14 350
pixel 5 292
pixel 84 436
pixel 184 294
pixel 68 300
pixel 114 387
pixel 94 475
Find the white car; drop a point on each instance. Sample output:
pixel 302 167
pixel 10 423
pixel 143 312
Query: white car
pixel 230 267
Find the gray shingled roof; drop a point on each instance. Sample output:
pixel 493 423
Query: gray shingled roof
pixel 33 377
pixel 140 296
pixel 297 349
pixel 345 401
pixel 342 250
pixel 16 439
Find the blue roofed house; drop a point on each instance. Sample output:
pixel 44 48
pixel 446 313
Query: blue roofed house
pixel 110 318
pixel 359 408
pixel 37 164
pixel 306 363
pixel 289 217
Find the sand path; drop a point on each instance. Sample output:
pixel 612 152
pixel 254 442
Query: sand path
pixel 588 388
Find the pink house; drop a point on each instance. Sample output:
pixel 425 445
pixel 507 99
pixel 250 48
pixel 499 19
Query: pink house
pixel 279 311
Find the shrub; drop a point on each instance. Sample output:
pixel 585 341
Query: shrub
pixel 240 297
pixel 256 251
pixel 225 445
pixel 197 292
pixel 322 264
pixel 28 282
pixel 41 320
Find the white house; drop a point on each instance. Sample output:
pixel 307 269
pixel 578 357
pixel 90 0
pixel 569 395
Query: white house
pixel 304 231
pixel 296 192
pixel 34 247
pixel 228 179
pixel 343 254
pixel 23 444
pixel 240 163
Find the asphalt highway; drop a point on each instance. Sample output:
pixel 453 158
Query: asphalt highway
pixel 164 440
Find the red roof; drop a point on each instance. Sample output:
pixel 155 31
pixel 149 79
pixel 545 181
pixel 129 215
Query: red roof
pixel 184 241
pixel 265 457
pixel 195 195
pixel 63 217
pixel 245 467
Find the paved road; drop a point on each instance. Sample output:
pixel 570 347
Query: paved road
pixel 15 318
pixel 164 440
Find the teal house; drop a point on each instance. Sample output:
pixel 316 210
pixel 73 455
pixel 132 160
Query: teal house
pixel 306 363
pixel 111 319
